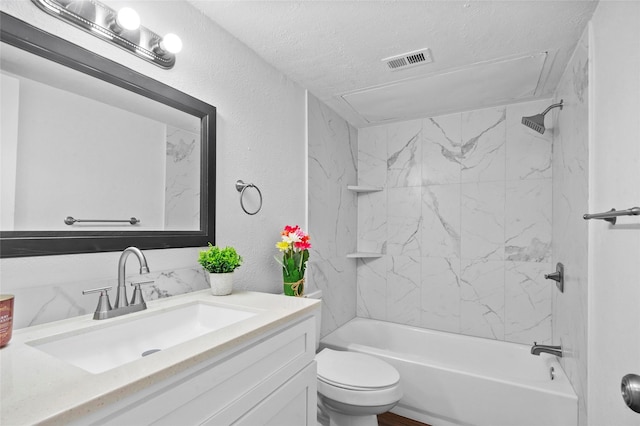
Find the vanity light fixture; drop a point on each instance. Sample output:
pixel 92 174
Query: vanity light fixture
pixel 121 28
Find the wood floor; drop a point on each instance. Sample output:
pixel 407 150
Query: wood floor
pixel 390 419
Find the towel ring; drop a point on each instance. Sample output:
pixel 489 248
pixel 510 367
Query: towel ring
pixel 241 187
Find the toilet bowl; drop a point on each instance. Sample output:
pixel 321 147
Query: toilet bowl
pixel 354 388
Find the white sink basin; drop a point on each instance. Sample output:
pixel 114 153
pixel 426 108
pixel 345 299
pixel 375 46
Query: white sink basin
pixel 100 349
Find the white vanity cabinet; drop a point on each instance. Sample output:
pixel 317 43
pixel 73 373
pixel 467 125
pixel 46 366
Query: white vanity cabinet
pixel 268 380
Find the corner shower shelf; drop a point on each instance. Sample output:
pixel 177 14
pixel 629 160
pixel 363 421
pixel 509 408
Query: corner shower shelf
pixel 364 188
pixel 362 255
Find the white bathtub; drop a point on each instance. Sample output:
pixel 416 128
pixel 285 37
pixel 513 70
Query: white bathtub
pixel 450 379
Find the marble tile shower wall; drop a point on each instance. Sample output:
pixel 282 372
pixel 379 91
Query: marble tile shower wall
pixel 570 231
pixel 182 185
pixel 463 222
pixel 333 147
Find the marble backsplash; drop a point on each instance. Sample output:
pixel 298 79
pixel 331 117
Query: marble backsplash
pixel 463 223
pixel 40 304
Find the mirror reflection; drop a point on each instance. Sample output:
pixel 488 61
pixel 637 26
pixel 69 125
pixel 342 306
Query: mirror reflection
pixel 99 141
pixel 73 145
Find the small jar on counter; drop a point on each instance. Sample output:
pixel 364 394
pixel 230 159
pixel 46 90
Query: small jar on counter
pixel 6 318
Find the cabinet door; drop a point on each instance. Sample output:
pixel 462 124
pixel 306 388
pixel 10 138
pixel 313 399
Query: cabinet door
pixel 292 404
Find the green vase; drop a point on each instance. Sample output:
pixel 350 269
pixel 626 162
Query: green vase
pixel 295 288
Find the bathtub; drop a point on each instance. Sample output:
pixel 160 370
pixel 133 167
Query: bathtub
pixel 450 379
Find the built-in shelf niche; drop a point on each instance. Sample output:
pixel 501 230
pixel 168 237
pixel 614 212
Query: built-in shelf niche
pixel 363 189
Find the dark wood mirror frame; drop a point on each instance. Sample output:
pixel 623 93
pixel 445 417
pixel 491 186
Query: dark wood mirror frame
pixel 41 243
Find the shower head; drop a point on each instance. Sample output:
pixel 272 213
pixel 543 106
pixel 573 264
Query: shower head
pixel 536 122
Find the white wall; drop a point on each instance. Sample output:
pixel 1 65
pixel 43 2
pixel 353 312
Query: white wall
pixel 614 251
pixel 260 139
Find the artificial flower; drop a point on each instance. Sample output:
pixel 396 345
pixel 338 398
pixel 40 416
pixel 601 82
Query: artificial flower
pixel 283 245
pixel 294 245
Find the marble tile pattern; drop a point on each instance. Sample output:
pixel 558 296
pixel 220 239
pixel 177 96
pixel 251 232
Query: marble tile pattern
pixel 404 154
pixel 463 223
pixel 570 231
pixel 182 180
pixel 332 157
pixel 482 298
pixel 441 220
pixel 440 293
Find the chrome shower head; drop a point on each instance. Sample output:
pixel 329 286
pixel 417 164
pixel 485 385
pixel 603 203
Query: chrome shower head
pixel 536 122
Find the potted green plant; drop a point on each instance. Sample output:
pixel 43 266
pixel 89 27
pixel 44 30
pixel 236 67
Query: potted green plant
pixel 220 264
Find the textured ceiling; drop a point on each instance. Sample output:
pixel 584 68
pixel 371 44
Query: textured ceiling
pixel 335 48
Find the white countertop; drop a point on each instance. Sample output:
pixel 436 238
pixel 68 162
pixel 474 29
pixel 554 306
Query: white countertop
pixel 38 388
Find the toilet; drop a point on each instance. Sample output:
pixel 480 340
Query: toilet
pixel 353 388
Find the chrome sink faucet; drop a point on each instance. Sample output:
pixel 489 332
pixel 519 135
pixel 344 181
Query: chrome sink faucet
pixel 553 350
pixel 121 297
pixel 122 306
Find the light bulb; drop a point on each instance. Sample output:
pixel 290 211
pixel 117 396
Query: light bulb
pixel 128 19
pixel 171 43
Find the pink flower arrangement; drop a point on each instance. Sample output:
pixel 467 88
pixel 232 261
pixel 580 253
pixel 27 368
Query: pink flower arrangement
pixel 293 239
pixel 294 246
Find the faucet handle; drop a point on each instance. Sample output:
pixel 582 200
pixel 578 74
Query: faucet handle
pixel 104 305
pixel 137 298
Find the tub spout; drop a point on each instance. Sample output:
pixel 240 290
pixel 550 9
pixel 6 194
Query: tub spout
pixel 553 350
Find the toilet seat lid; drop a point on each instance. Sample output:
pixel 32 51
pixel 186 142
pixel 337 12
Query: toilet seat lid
pixel 351 370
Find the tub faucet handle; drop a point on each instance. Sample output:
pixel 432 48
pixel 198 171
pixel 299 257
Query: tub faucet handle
pixel 553 276
pixel 557 276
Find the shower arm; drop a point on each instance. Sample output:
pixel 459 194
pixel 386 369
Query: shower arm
pixel 552 106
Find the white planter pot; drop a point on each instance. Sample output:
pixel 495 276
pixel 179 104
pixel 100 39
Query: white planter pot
pixel 221 284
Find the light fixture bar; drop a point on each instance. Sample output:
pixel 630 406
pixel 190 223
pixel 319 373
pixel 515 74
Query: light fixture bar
pixel 100 20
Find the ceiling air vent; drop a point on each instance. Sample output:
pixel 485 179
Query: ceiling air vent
pixel 408 60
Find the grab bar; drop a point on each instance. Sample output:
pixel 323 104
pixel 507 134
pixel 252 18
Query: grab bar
pixel 612 214
pixel 70 220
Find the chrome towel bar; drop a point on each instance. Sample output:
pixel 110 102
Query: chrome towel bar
pixel 70 220
pixel 612 214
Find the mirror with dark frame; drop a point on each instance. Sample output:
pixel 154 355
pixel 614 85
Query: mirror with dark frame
pixel 62 192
